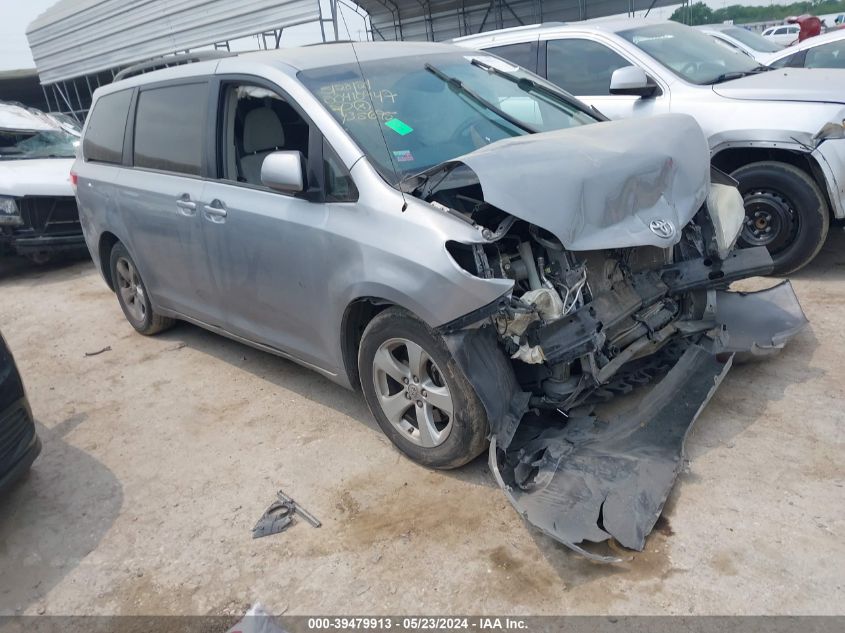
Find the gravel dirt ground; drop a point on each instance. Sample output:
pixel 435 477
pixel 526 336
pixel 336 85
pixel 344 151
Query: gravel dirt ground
pixel 160 455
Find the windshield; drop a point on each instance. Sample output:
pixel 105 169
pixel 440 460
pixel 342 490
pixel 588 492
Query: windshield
pixel 18 144
pixel 689 53
pixel 752 40
pixel 434 108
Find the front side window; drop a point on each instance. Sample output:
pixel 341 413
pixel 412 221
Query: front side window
pixel 831 55
pixel 690 54
pixel 104 136
pixel 408 114
pixel 783 31
pixel 338 181
pixel 257 122
pixel 169 128
pixel 582 67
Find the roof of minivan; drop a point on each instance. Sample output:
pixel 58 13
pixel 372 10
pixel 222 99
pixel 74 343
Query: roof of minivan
pixel 332 54
pixel 294 59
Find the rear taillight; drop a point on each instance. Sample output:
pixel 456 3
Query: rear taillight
pixel 73 179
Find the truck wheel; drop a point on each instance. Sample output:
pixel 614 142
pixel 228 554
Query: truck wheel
pixel 132 294
pixel 784 211
pixel 417 394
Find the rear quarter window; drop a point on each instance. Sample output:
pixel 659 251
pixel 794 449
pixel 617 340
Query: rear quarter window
pixel 103 140
pixel 169 128
pixel 523 54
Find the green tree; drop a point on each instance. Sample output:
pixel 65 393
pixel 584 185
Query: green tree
pixel 698 13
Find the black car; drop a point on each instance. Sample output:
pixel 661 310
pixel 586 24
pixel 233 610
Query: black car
pixel 19 444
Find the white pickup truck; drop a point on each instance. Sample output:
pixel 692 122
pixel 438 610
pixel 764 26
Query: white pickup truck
pixel 38 213
pixel 779 132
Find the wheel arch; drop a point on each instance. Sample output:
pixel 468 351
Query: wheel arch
pixel 104 248
pixel 356 317
pixel 731 158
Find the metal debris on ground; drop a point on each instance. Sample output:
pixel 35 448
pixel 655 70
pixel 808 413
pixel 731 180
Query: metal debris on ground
pixel 279 516
pixel 107 348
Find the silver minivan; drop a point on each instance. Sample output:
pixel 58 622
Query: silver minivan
pixel 486 257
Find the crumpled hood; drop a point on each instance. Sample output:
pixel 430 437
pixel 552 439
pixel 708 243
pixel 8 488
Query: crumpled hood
pixel 787 84
pixel 36 177
pixel 602 185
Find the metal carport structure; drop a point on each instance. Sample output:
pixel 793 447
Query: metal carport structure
pixel 438 20
pixel 80 44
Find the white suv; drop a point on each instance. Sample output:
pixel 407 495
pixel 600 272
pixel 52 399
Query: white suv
pixel 778 132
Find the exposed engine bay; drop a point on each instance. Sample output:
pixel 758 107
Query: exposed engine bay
pixel 583 327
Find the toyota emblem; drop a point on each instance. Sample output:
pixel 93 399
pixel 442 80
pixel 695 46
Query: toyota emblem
pixel 662 228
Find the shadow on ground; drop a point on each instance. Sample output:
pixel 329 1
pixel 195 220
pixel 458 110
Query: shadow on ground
pixel 43 535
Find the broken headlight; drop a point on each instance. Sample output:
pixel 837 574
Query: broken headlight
pixel 727 213
pixel 9 213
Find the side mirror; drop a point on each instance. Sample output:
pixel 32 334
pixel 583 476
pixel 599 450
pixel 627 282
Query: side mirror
pixel 282 171
pixel 631 80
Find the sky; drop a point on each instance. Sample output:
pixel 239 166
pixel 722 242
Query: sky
pixel 15 15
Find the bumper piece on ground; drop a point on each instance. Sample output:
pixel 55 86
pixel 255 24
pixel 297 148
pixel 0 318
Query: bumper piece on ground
pixel 593 479
pixel 759 323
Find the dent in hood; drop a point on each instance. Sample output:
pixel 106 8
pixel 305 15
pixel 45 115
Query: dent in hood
pixel 36 177
pixel 787 84
pixel 600 185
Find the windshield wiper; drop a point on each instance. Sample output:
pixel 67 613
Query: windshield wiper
pixel 458 86
pixel 739 74
pixel 529 85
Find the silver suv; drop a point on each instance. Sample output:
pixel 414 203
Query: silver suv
pixel 451 234
pixel 780 133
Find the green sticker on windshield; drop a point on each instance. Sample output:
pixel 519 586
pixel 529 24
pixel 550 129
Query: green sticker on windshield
pixel 400 127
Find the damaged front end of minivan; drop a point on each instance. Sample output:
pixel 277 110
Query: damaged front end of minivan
pixel 620 324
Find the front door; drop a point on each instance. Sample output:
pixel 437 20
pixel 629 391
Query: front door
pixel 583 67
pixel 269 249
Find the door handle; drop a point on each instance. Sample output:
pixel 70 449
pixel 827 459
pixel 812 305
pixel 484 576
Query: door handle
pixel 188 207
pixel 216 209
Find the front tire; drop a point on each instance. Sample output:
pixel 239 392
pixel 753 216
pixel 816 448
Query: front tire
pixel 132 294
pixel 785 211
pixel 417 394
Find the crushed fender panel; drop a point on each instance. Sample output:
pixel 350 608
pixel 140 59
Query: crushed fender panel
pixel 477 353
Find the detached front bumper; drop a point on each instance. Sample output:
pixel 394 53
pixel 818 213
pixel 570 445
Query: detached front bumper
pixel 592 479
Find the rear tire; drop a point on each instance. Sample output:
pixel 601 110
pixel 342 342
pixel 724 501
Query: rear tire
pixel 132 294
pixel 785 211
pixel 418 394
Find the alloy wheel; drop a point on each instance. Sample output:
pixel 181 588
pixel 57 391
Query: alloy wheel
pixel 130 288
pixel 412 392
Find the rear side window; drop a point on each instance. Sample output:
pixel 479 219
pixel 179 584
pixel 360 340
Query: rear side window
pixel 524 54
pixel 169 128
pixel 104 137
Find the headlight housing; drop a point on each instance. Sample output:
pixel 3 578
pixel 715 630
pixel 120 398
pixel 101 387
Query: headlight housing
pixel 10 215
pixel 727 213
